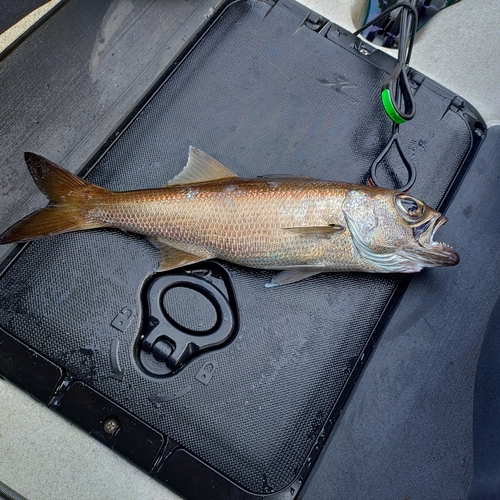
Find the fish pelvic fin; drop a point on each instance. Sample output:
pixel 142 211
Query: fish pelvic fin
pixel 292 276
pixel 70 200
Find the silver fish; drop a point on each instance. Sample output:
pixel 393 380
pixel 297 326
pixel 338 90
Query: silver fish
pixel 298 225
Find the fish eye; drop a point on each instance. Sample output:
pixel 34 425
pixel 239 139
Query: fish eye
pixel 411 209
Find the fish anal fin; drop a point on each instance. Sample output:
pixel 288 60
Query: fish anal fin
pixel 201 167
pixel 292 276
pixel 172 258
pixel 321 232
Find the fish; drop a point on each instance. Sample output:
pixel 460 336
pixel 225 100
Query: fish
pixel 299 226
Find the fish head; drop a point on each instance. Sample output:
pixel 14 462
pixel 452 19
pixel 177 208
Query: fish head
pixel 394 232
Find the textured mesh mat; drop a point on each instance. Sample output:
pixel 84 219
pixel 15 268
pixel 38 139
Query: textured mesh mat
pixel 263 93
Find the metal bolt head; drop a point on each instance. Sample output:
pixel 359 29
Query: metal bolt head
pixel 111 425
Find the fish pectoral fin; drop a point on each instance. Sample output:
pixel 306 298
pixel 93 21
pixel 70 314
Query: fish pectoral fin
pixel 321 232
pixel 172 258
pixel 201 167
pixel 292 275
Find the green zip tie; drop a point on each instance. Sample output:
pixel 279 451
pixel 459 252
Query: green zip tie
pixel 389 107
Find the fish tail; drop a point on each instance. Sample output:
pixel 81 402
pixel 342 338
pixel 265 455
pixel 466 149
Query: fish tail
pixel 70 198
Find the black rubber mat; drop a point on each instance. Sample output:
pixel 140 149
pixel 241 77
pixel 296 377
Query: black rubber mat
pixel 267 89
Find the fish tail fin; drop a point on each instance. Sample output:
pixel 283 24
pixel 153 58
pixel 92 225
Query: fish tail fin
pixel 70 200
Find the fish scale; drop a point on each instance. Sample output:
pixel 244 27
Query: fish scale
pixel 248 231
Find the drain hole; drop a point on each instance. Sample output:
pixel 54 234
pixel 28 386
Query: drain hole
pixel 189 309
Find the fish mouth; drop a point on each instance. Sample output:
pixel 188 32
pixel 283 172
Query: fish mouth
pixel 429 252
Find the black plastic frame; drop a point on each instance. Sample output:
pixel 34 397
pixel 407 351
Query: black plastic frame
pixel 21 38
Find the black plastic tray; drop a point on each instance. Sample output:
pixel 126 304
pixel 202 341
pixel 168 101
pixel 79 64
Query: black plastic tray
pixel 264 89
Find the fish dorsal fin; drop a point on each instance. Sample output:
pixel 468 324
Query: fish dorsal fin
pixel 201 167
pixel 321 232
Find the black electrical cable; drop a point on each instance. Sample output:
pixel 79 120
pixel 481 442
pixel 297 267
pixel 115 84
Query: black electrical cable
pixel 396 91
pixel 397 97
